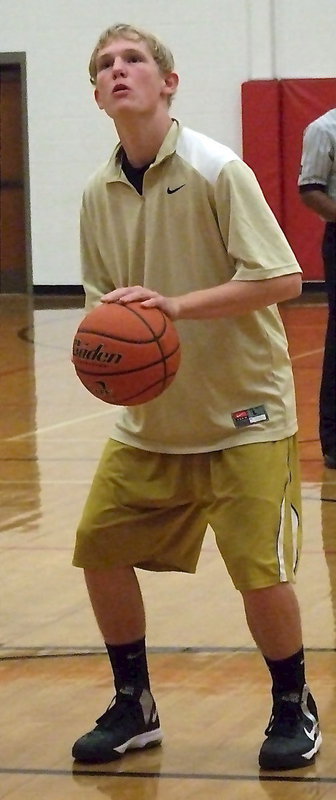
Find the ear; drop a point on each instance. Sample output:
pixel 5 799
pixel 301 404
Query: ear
pixel 97 99
pixel 171 81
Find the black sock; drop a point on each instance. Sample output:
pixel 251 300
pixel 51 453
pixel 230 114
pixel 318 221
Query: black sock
pixel 129 664
pixel 288 674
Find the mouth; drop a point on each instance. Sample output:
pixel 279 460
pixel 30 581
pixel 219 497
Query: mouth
pixel 120 87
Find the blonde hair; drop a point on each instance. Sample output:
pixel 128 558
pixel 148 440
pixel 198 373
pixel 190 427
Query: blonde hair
pixel 161 54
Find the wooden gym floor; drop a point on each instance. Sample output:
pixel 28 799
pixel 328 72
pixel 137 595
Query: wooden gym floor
pixel 210 682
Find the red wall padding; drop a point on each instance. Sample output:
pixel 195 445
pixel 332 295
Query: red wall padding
pixel 299 101
pixel 302 101
pixel 261 138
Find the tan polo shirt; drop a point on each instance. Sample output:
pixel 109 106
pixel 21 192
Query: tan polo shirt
pixel 201 221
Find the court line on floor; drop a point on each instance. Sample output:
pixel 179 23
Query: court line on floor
pixel 308 353
pixel 55 481
pixel 76 421
pixel 203 776
pixel 48 651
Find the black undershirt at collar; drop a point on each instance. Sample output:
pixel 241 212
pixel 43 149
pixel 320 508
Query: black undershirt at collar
pixel 135 175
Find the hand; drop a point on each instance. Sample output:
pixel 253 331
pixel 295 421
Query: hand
pixel 147 298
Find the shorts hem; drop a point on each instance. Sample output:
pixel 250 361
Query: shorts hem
pixel 264 584
pixel 149 566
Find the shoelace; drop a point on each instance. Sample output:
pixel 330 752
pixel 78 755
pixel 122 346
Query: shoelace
pixel 116 711
pixel 285 718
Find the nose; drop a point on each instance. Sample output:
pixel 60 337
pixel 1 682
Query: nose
pixel 119 67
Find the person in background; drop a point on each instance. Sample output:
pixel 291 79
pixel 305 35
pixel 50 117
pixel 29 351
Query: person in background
pixel 177 221
pixel 317 187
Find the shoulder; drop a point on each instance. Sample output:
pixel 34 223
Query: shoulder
pixel 97 178
pixel 206 155
pixel 107 172
pixel 322 124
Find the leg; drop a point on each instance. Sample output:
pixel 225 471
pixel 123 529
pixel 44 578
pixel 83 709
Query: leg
pixel 123 521
pixel 117 604
pixel 328 394
pixel 118 607
pixel 132 720
pixel 273 617
pixel 263 519
pixel 328 379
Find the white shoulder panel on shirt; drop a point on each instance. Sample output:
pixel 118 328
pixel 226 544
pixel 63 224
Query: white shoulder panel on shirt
pixel 206 155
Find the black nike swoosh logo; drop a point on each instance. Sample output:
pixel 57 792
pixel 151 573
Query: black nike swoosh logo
pixel 172 191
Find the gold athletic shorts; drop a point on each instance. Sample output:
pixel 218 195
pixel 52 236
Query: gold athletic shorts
pixel 151 510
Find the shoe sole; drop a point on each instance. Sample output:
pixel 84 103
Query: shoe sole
pixel 294 762
pixel 141 742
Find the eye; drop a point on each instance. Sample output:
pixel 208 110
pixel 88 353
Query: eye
pixel 134 57
pixel 104 65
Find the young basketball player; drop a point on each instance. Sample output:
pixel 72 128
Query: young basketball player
pixel 178 221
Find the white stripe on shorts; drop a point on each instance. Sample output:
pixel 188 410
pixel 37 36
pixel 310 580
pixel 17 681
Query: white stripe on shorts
pixel 280 545
pixel 281 542
pixel 295 528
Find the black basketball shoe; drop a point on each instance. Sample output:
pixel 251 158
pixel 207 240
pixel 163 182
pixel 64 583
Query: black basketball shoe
pixel 130 722
pixel 293 733
pixel 330 460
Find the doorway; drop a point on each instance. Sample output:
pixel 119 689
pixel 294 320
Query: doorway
pixel 15 249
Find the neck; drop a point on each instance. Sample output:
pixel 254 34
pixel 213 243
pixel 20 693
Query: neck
pixel 142 138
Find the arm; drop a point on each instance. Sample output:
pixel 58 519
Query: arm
pixel 316 165
pixel 231 299
pixel 96 281
pixel 318 201
pixel 237 298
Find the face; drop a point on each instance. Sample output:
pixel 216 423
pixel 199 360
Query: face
pixel 129 80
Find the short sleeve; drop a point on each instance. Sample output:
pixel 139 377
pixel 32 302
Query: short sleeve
pixel 316 160
pixel 251 233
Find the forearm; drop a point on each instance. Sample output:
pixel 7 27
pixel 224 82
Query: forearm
pixel 230 299
pixel 237 297
pixel 321 203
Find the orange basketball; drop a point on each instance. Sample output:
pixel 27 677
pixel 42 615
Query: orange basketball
pixel 125 354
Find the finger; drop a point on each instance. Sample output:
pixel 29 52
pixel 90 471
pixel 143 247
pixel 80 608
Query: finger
pixel 131 297
pixel 138 294
pixel 151 302
pixel 115 296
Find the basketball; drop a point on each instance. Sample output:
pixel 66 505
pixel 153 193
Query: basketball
pixel 126 354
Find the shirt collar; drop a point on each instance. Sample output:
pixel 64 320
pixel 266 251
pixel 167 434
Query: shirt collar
pixel 113 170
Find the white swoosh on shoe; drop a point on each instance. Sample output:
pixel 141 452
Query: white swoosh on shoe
pixel 311 734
